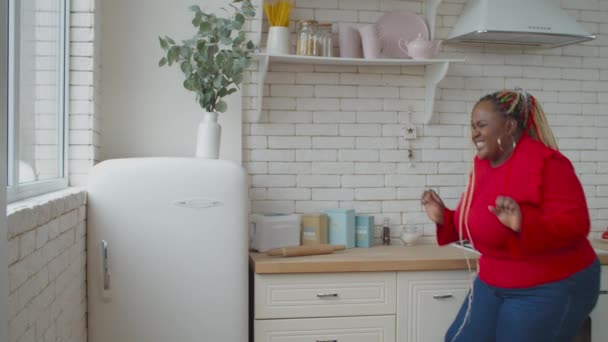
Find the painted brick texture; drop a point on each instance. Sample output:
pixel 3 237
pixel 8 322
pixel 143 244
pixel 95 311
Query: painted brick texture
pixel 47 268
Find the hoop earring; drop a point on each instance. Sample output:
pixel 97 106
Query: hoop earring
pixel 500 144
pixel 514 143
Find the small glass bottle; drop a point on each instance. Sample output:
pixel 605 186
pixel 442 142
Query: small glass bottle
pixel 386 232
pixel 326 42
pixel 306 44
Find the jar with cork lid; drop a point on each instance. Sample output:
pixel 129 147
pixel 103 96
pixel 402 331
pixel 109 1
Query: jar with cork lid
pixel 307 43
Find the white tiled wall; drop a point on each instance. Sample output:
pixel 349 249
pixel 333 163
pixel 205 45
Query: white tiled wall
pixel 47 260
pixel 330 136
pixel 84 135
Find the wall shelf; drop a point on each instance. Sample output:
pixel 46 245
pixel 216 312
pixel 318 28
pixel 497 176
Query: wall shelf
pixel 436 70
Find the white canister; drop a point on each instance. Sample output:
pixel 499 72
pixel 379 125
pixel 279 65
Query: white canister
pixel 278 40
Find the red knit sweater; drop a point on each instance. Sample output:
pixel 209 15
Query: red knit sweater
pixel 552 243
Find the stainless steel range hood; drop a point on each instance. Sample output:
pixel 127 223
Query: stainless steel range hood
pixel 521 22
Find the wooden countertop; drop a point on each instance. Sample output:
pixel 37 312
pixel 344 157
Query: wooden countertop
pixel 374 259
pixel 379 258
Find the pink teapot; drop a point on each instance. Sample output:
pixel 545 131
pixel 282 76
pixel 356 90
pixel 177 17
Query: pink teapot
pixel 420 48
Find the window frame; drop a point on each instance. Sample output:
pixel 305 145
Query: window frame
pixel 14 190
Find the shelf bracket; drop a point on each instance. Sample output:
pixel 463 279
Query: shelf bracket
pixel 431 15
pixel 434 74
pixel 263 66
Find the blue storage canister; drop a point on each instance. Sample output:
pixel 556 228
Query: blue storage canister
pixel 364 231
pixel 341 224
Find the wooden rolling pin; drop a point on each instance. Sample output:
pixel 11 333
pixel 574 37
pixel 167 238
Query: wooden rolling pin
pixel 292 251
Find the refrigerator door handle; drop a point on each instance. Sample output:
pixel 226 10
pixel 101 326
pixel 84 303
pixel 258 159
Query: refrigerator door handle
pixel 105 266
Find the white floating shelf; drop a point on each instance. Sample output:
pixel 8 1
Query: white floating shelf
pixel 349 61
pixel 436 70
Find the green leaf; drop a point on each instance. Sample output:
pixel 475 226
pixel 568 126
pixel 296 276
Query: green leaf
pixel 204 27
pixel 250 45
pixel 189 84
pixel 163 43
pixel 196 21
pixel 171 41
pixel 207 96
pixel 239 20
pixel 162 62
pixel 185 52
pixel 221 106
pixel 222 92
pixel 186 68
pixel 226 40
pixel 217 83
pixel 195 8
pixel 173 54
pixel 231 91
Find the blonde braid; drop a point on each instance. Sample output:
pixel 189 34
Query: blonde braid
pixel 542 124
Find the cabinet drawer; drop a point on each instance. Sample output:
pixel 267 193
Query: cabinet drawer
pixel 324 295
pixel 428 303
pixel 338 329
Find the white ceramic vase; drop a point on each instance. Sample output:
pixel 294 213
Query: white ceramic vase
pixel 278 40
pixel 209 136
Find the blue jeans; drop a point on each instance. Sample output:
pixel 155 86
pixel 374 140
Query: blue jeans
pixel 552 312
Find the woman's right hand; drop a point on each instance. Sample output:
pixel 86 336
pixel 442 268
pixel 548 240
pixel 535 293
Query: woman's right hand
pixel 433 206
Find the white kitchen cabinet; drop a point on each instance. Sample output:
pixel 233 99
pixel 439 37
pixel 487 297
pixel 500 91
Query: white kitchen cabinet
pixel 338 329
pixel 599 328
pixel 427 303
pixel 357 306
pixel 435 69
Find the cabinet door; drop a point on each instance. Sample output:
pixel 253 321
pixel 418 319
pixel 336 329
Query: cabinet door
pixel 427 303
pixel 599 329
pixel 334 329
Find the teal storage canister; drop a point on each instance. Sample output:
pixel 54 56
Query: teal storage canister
pixel 341 224
pixel 364 231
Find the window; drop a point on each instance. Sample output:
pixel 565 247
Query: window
pixel 37 96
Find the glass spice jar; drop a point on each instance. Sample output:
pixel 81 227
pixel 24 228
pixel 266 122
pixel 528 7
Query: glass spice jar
pixel 307 44
pixel 326 41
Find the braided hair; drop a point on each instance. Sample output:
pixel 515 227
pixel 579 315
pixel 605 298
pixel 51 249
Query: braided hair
pixel 527 112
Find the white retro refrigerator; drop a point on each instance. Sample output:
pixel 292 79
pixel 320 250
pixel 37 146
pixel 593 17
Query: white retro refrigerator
pixel 167 251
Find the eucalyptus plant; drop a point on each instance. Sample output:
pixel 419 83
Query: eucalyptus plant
pixel 213 61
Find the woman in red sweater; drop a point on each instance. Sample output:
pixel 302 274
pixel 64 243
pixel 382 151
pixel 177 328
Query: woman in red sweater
pixel 524 210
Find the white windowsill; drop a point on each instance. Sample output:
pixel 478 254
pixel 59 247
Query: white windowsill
pixel 41 200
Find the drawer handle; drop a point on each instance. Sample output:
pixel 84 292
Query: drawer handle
pixel 603 292
pixel 445 296
pixel 327 340
pixel 327 295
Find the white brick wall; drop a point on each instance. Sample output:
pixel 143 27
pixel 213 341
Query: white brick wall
pixel 47 268
pixel 330 135
pixel 84 137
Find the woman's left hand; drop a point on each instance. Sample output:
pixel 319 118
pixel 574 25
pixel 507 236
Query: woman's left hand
pixel 508 212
